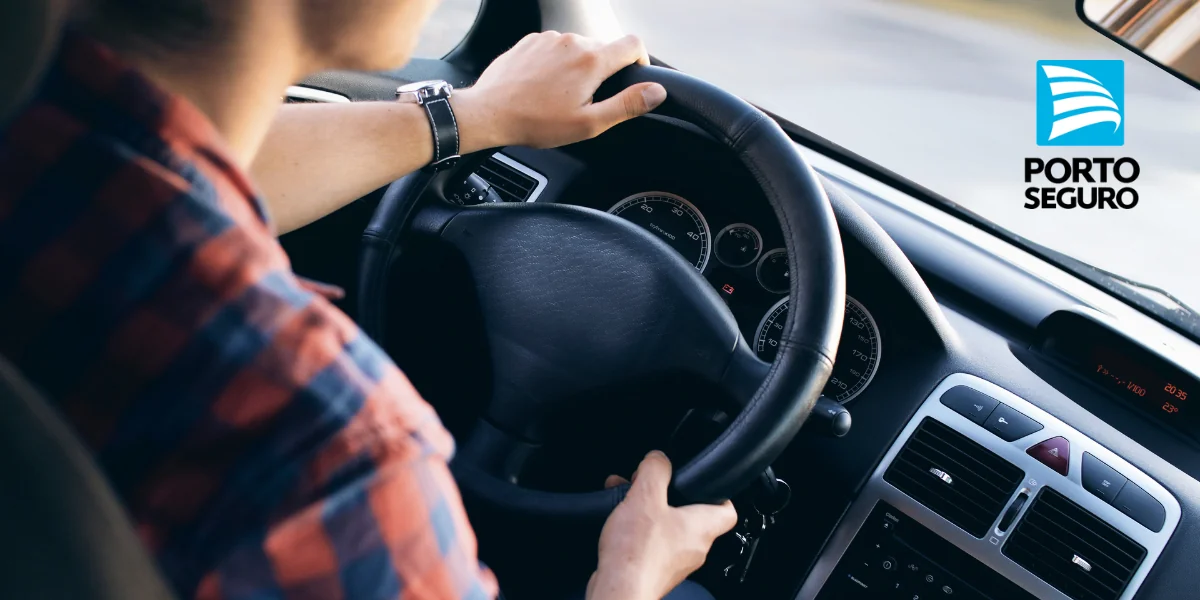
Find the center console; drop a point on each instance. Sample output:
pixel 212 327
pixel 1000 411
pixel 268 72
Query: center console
pixel 984 495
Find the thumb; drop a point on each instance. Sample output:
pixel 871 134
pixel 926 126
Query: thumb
pixel 633 101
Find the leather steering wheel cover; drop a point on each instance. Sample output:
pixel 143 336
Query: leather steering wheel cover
pixel 378 243
pixel 808 342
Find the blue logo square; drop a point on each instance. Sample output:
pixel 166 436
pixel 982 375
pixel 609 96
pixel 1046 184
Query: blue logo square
pixel 1081 103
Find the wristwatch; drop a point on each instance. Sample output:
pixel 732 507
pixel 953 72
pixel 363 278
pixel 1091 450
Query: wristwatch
pixel 435 97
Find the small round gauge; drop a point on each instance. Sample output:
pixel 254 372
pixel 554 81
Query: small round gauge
pixel 671 218
pixel 772 272
pixel 738 245
pixel 858 351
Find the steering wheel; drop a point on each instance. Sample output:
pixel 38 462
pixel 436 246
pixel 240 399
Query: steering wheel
pixel 574 299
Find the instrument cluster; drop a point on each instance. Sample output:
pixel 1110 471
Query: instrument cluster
pixel 754 281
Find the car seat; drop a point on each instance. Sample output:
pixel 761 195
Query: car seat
pixel 63 533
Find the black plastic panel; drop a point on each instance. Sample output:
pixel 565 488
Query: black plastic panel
pixel 893 556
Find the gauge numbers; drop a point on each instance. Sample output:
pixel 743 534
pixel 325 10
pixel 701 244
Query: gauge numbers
pixel 738 245
pixel 673 219
pixel 858 351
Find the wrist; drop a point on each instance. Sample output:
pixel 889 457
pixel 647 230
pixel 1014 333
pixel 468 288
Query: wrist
pixel 609 583
pixel 479 125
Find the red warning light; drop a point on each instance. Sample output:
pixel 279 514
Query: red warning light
pixel 728 289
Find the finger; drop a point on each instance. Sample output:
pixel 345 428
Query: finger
pixel 711 520
pixel 621 53
pixel 633 101
pixel 613 481
pixel 653 476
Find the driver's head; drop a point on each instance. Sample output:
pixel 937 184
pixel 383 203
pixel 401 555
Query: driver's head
pixel 325 34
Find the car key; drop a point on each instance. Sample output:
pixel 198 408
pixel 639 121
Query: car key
pixel 750 540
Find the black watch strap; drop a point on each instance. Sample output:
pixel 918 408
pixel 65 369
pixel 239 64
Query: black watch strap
pixel 445 133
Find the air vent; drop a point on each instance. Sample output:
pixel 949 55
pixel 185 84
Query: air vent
pixel 512 180
pixel 954 476
pixel 1073 550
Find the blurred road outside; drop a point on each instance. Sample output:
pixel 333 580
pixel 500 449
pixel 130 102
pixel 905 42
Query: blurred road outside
pixel 942 92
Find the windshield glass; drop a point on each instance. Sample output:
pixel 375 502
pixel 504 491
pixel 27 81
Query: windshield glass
pixel 943 93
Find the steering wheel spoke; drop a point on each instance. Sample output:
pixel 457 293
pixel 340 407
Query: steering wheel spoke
pixel 495 451
pixel 574 300
pixel 745 375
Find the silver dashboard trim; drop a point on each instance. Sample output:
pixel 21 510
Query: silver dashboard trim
pixel 313 94
pixel 1037 476
pixel 524 170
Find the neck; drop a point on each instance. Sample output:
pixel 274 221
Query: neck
pixel 238 82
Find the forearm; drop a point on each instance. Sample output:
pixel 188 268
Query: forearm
pixel 317 158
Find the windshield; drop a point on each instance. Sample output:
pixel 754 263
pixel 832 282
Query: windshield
pixel 943 93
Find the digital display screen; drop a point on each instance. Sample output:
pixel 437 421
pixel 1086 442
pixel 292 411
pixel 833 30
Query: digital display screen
pixel 1143 385
pixel 1140 379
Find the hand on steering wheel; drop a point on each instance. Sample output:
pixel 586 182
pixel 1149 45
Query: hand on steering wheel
pixel 539 93
pixel 647 547
pixel 574 299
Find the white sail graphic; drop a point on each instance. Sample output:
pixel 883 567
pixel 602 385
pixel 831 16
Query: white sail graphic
pixel 1084 93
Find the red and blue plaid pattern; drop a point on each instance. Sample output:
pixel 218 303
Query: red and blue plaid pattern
pixel 263 445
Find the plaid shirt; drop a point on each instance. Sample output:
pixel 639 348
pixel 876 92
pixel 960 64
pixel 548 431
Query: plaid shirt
pixel 264 446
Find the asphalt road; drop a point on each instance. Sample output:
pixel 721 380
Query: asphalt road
pixel 942 91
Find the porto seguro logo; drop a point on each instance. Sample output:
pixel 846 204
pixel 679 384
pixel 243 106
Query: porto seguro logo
pixel 1081 103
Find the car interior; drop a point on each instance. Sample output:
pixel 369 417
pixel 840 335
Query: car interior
pixel 902 400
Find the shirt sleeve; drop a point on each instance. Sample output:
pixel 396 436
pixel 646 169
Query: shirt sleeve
pixel 341 488
pixel 375 513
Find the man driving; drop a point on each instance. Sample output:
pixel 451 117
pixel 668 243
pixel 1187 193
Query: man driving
pixel 263 445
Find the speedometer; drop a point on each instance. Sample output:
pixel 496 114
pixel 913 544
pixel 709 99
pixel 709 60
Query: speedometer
pixel 858 351
pixel 673 219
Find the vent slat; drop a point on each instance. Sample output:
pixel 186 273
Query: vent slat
pixel 1063 517
pixel 1063 583
pixel 953 512
pixel 981 482
pixel 989 472
pixel 926 480
pixel 1054 524
pixel 1058 548
pixel 511 184
pixel 1055 530
pixel 988 490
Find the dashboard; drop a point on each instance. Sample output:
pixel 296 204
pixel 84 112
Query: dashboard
pixel 980 498
pixel 1076 476
pixel 727 231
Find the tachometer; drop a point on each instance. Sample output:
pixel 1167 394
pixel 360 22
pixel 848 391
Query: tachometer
pixel 671 218
pixel 858 351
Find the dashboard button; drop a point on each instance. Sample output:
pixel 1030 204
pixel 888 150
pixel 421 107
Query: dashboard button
pixel 969 402
pixel 1009 424
pixel 1140 506
pixel 1054 453
pixel 1101 479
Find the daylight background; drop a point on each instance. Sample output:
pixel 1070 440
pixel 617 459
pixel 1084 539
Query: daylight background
pixel 942 92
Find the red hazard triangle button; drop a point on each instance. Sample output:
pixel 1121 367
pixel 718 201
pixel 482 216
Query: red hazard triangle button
pixel 1054 453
